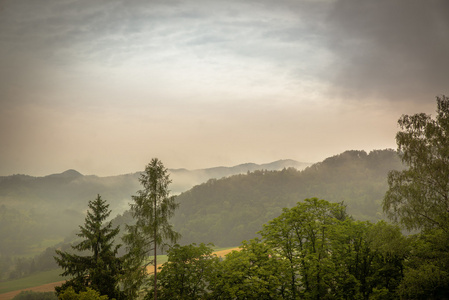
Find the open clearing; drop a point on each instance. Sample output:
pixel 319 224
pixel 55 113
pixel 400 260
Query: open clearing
pixel 49 287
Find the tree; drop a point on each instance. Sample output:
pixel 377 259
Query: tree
pixel 418 197
pixel 187 273
pixel 100 269
pixel 254 272
pixel 303 235
pixel 426 275
pixel 152 208
pixel 331 256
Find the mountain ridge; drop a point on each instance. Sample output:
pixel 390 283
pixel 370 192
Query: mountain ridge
pixel 52 206
pixel 215 206
pixel 277 164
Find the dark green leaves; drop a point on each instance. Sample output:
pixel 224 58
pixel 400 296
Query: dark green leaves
pixel 97 267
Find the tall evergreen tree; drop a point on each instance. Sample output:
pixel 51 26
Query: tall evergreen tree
pixel 152 208
pixel 100 268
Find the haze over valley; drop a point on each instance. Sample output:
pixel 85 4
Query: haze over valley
pixel 52 207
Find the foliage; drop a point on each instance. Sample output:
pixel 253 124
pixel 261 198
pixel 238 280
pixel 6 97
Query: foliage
pixel 331 256
pixel 228 210
pixel 152 208
pixel 101 269
pixel 88 294
pixel 187 273
pixel 30 295
pixel 253 272
pixel 419 196
pixel 426 274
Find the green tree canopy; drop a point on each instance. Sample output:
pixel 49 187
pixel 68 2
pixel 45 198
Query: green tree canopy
pixel 187 272
pixel 418 197
pixel 331 256
pixel 254 272
pixel 98 268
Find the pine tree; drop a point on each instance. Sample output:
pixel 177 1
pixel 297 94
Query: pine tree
pixel 100 268
pixel 152 208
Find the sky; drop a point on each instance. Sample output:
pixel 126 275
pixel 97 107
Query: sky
pixel 104 86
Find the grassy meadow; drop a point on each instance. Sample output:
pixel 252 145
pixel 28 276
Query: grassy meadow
pixel 31 281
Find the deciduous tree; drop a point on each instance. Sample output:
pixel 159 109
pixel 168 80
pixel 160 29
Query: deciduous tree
pixel 254 272
pixel 418 197
pixel 187 273
pixel 331 256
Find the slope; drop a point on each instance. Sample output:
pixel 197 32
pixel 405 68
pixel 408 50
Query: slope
pixel 233 209
pixel 35 209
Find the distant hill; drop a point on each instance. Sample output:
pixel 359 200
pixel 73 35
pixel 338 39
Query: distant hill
pixel 223 205
pixel 49 207
pixel 184 179
pixel 229 210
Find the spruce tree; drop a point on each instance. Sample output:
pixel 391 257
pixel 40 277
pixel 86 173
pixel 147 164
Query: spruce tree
pixel 97 265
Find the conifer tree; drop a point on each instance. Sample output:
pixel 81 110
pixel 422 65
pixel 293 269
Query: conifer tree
pixel 152 208
pixel 100 268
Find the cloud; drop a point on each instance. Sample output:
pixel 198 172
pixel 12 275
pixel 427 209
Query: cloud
pixel 395 50
pixel 359 48
pixel 222 78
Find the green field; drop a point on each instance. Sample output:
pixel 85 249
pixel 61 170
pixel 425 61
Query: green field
pixel 31 281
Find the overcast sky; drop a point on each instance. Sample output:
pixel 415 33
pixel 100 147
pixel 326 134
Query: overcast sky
pixel 104 86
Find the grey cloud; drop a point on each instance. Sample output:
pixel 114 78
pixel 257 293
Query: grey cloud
pixel 390 49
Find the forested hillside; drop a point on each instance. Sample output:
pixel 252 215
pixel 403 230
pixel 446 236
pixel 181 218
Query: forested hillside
pixel 183 179
pixel 35 209
pixel 229 210
pixel 50 207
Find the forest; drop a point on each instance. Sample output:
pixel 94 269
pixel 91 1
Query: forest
pixel 355 226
